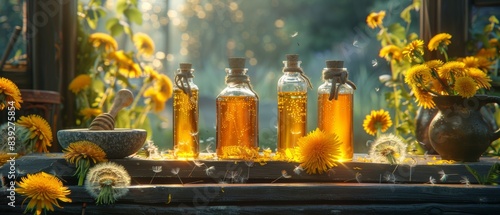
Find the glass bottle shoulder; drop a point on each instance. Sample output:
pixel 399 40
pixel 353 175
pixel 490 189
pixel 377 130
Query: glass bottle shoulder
pixel 292 82
pixel 327 85
pixel 237 90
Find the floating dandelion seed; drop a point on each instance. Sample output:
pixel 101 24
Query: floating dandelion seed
pixel 294 34
pixel 234 175
pixel 210 170
pixel 298 170
pixel 443 177
pixel 465 181
pixel 355 44
pixel 156 169
pixel 358 177
pixel 284 174
pixel 107 182
pixel 377 89
pixel 390 177
pixel 431 180
pixel 175 171
pixel 374 63
pixel 196 164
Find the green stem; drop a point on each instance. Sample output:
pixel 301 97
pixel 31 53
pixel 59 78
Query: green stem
pixel 140 121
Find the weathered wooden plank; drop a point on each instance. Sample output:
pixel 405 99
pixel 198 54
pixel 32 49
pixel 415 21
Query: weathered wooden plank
pixel 298 209
pixel 311 193
pixel 141 171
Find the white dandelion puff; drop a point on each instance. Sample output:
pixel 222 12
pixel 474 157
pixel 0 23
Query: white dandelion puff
pixel 388 148
pixel 107 182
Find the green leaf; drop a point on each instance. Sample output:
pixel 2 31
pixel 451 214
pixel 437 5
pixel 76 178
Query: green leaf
pixel 493 19
pixel 397 30
pixel 476 175
pixel 116 30
pixel 488 28
pixel 111 22
pixel 92 23
pixel 134 15
pixel 405 14
pixel 121 5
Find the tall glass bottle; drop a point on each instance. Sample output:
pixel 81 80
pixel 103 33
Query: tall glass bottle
pixel 185 113
pixel 237 114
pixel 335 106
pixel 292 104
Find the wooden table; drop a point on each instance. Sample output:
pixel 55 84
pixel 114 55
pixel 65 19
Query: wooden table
pixel 238 187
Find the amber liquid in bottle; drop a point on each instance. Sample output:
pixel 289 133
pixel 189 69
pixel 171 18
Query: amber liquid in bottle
pixel 292 113
pixel 335 116
pixel 186 124
pixel 237 126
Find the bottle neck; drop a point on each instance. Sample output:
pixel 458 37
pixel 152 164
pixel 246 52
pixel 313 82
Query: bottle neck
pixel 292 67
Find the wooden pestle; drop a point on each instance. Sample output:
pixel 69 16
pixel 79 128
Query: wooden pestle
pixel 106 121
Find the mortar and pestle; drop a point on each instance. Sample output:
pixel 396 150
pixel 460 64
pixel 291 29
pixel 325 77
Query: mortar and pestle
pixel 116 142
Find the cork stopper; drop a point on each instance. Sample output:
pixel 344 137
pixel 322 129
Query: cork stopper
pixel 292 57
pixel 334 64
pixel 237 62
pixel 185 66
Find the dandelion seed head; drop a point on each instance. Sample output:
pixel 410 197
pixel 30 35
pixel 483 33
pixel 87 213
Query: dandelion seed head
pixel 388 148
pixel 107 174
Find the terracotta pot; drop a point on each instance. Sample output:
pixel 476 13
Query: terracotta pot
pixel 458 131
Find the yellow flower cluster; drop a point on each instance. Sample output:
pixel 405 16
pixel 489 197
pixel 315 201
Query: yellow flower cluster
pixel 462 77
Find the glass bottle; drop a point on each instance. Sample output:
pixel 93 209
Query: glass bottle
pixel 335 106
pixel 292 104
pixel 237 105
pixel 185 113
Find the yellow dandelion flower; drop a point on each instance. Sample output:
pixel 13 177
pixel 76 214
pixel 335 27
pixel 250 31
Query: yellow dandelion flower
pixel 418 75
pixel 452 69
pixel 434 64
pixel 377 120
pixel 40 131
pixel 415 49
pixel 9 93
pixel 126 64
pixel 159 93
pixel 489 53
pixel 481 78
pixel 79 83
pixel 103 40
pixel 470 61
pixel 483 63
pixel 391 51
pixel 4 157
pixel 438 87
pixel 151 73
pixel 318 151
pixel 83 154
pixel 375 19
pixel 44 190
pixel 465 87
pixel 493 42
pixel 89 113
pixel 442 39
pixel 424 98
pixel 144 44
